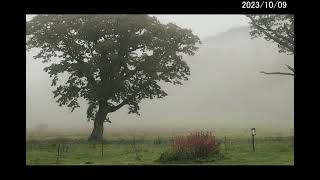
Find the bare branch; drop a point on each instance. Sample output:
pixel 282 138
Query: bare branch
pixel 279 73
pixel 107 120
pixel 289 67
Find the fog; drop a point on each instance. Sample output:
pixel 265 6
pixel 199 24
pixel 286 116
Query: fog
pixel 225 88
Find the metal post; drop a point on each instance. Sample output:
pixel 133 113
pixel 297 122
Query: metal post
pixel 253 134
pixel 253 148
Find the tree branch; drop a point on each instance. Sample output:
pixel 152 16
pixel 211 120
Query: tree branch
pixel 278 35
pixel 107 120
pixel 279 73
pixel 90 49
pixel 289 67
pixel 290 34
pixel 124 102
pixel 91 80
pixel 277 40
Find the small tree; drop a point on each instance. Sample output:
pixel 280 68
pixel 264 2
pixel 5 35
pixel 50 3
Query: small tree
pixel 110 60
pixel 278 29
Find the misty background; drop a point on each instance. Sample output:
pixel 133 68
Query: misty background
pixel 225 89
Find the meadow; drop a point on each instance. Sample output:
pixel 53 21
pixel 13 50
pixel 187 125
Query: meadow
pixel 141 148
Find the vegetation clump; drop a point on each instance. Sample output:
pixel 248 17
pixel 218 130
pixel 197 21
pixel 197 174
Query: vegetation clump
pixel 197 146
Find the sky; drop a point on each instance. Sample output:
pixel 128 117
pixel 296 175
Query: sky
pixel 206 25
pixel 201 25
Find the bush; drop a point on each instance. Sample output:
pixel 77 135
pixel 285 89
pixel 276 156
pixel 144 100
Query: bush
pixel 195 146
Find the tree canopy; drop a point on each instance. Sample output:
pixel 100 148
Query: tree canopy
pixel 278 29
pixel 110 60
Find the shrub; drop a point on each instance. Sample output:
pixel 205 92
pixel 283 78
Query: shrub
pixel 199 145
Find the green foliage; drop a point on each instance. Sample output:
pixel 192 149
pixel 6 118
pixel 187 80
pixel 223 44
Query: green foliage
pixel 278 28
pixel 111 60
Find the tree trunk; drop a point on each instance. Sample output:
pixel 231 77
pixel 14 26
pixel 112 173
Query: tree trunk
pixel 97 132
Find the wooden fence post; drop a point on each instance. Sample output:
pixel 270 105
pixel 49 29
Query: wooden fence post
pixel 225 143
pixel 102 149
pixel 57 161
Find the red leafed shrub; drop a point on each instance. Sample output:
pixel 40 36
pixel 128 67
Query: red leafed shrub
pixel 198 144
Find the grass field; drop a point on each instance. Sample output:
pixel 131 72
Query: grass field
pixel 145 150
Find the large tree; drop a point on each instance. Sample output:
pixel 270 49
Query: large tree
pixel 277 28
pixel 110 60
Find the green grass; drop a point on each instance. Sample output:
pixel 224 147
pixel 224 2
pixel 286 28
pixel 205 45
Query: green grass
pixel 120 151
